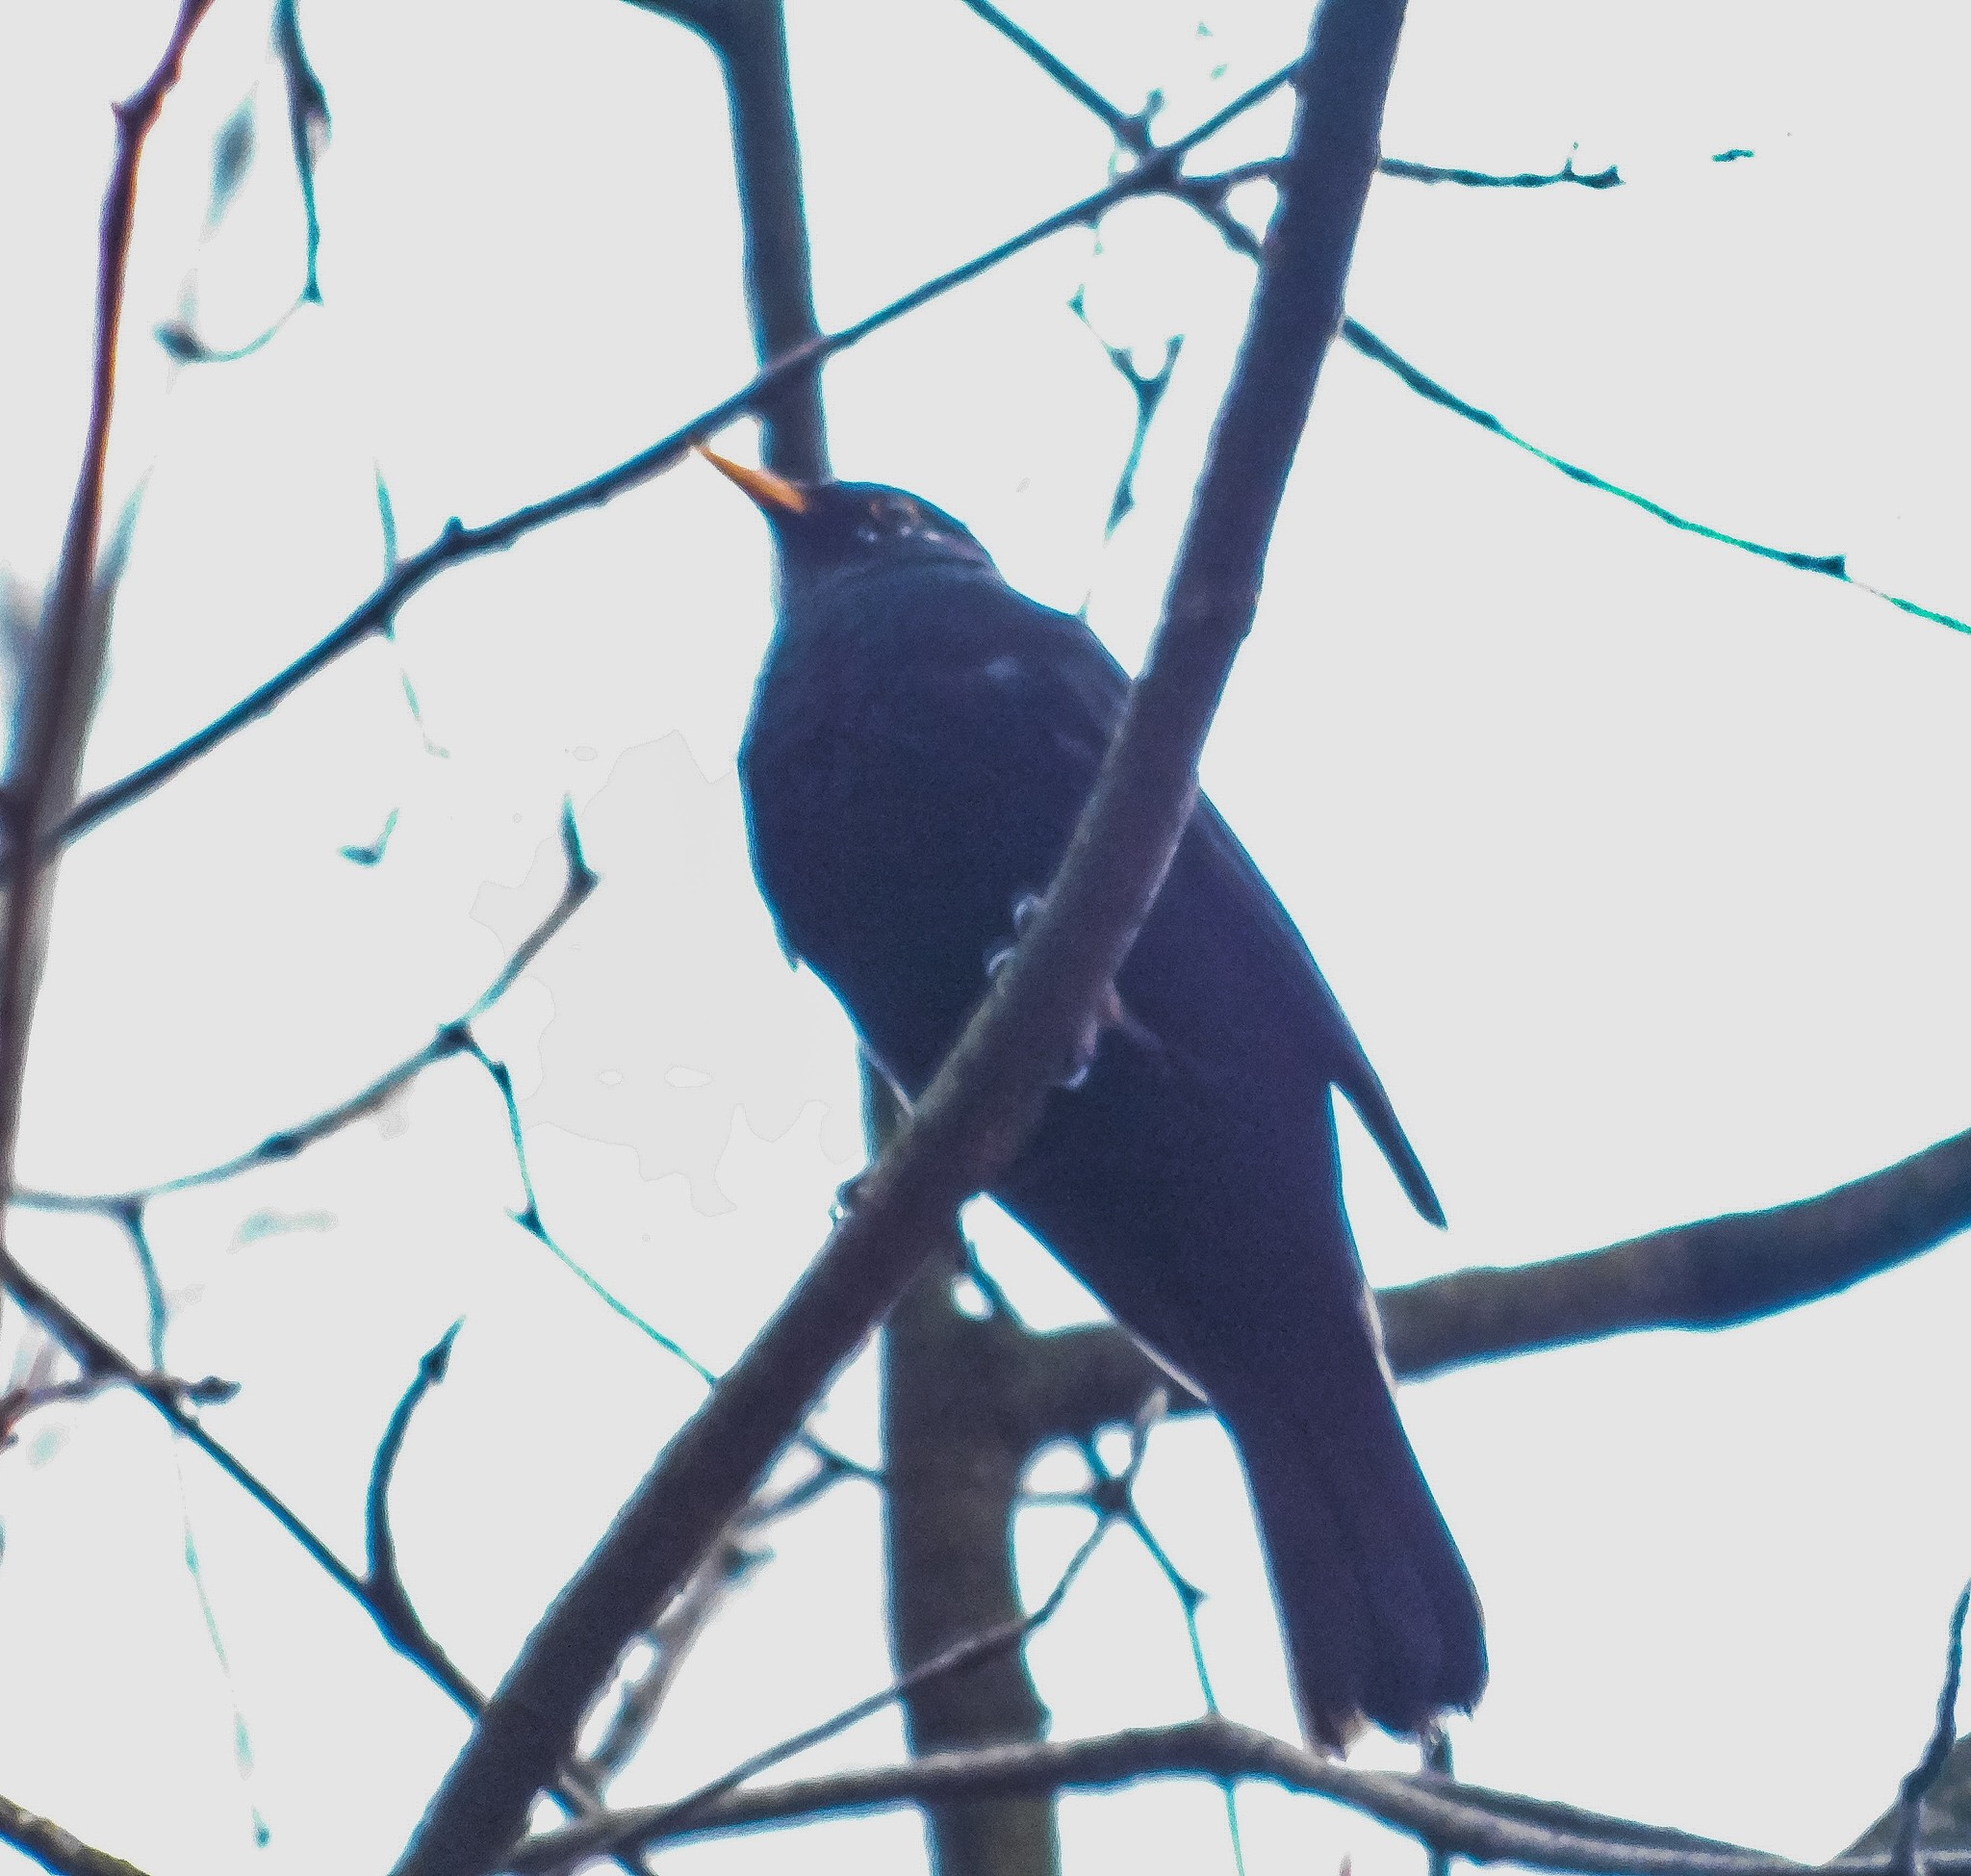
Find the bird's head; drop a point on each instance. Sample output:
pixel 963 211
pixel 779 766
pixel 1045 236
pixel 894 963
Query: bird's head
pixel 840 527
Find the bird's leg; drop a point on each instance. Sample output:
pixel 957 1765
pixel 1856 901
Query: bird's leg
pixel 851 1188
pixel 999 956
pixel 845 1197
pixel 1109 1012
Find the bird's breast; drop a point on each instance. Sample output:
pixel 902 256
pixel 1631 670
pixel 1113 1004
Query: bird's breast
pixel 895 817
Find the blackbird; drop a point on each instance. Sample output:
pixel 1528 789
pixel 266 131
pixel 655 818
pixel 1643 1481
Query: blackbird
pixel 921 743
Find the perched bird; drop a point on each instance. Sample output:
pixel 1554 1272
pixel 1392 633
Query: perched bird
pixel 922 741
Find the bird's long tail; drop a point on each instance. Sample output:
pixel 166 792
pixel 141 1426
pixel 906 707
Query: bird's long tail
pixel 1381 1619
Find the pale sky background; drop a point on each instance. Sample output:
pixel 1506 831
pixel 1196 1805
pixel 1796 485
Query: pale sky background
pixel 1636 862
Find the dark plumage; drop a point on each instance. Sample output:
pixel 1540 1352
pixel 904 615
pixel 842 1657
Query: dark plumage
pixel 921 744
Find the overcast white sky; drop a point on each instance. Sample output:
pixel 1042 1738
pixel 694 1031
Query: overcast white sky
pixel 1637 862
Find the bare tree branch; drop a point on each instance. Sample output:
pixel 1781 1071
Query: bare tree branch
pixel 750 39
pixel 1458 1820
pixel 1946 1817
pixel 389 1600
pixel 1713 1273
pixel 1147 388
pixel 1130 129
pixel 56 1849
pixel 1082 1379
pixel 16 1404
pixel 307 127
pixel 1207 195
pixel 1925 1773
pixel 104 1363
pixel 592 1836
pixel 669 1637
pixel 1833 566
pixel 956 1443
pixel 676 1627
pixel 966 1403
pixel 1432 173
pixel 978 1109
pixel 1705 1275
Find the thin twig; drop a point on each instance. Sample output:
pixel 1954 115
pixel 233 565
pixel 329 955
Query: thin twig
pixel 450 1039
pixel 104 1365
pixel 307 128
pixel 677 1628
pixel 1465 1820
pixel 17 1402
pixel 670 1639
pixel 1438 1761
pixel 594 1836
pixel 1206 195
pixel 1130 129
pixel 1831 566
pixel 1432 173
pixel 102 1361
pixel 1907 1854
pixel 389 1602
pixel 530 1220
pixel 1147 388
pixel 458 543
pixel 1222 182
pixel 100 1358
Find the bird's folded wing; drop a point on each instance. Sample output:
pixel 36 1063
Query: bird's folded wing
pixel 1220 973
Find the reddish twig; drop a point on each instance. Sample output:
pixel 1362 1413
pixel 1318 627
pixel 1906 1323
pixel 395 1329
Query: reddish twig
pixel 66 663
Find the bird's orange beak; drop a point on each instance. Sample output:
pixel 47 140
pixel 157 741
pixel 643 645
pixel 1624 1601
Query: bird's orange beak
pixel 774 494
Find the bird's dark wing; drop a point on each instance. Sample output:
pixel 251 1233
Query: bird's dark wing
pixel 1221 974
pixel 1226 906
